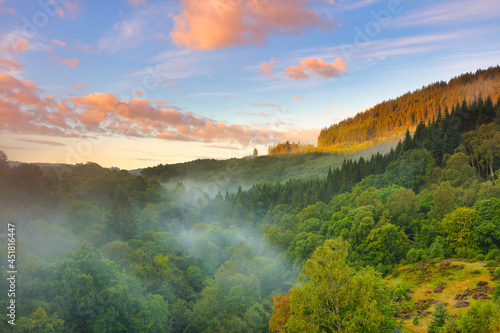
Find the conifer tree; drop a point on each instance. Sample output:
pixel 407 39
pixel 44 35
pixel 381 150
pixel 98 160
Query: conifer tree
pixel 439 318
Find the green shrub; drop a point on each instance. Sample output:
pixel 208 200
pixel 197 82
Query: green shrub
pixel 491 263
pixel 496 273
pixel 467 253
pixel 480 257
pixel 493 255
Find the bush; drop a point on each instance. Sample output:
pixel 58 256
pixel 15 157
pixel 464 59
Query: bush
pixel 480 257
pixel 414 255
pixel 491 263
pixel 496 273
pixel 493 255
pixel 467 253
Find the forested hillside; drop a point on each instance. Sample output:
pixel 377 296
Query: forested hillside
pixel 407 111
pixel 101 250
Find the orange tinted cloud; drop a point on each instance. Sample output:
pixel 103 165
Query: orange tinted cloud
pixel 79 86
pixel 136 3
pixel 215 24
pixel 6 64
pixel 59 42
pixel 70 62
pixel 14 47
pixel 61 61
pixel 316 67
pixel 22 110
pixel 267 68
pixel 10 11
pixel 69 9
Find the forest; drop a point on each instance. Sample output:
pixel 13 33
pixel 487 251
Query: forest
pixel 103 250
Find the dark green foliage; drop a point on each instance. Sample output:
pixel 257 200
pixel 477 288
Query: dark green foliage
pixel 180 259
pixel 439 318
pixel 122 219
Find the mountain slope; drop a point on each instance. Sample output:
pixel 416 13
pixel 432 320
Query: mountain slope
pixel 393 117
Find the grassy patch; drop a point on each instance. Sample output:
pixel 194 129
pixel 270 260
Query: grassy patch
pixel 447 281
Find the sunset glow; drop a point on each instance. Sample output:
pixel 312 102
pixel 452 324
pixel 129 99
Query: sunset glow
pixel 141 82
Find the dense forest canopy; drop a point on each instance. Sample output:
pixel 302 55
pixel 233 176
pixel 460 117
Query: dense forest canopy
pixel 101 250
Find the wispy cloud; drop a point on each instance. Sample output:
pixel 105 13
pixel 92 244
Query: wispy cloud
pixel 43 142
pixel 456 11
pixel 136 28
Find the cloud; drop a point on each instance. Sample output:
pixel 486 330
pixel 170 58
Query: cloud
pixel 136 3
pixel 317 67
pixel 69 9
pixel 6 64
pixel 216 24
pixel 59 42
pixel 62 61
pixel 461 11
pixel 89 49
pixel 267 68
pixel 22 110
pixel 266 105
pixel 14 47
pixel 7 10
pixel 136 94
pixel 43 142
pixel 79 86
pixel 298 97
pixel 69 62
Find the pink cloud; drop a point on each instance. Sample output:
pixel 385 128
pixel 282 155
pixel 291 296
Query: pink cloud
pixel 61 61
pixel 7 10
pixel 69 9
pixel 297 97
pixel 15 47
pixel 267 68
pixel 6 64
pixel 137 3
pixel 59 42
pixel 136 94
pixel 70 62
pixel 22 110
pixel 216 24
pixel 88 49
pixel 79 86
pixel 316 67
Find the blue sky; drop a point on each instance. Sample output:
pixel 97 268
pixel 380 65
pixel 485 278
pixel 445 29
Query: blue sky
pixel 140 82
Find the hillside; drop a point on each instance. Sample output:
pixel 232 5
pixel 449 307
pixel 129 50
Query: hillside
pixel 375 239
pixel 394 116
pixel 458 283
pixel 214 175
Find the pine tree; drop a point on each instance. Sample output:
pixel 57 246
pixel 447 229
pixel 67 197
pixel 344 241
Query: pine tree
pixel 439 318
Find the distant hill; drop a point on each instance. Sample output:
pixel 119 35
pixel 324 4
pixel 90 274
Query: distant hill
pixel 391 118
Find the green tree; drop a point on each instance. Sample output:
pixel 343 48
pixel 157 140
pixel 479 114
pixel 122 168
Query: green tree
pixel 487 231
pixel 482 317
pixel 40 322
pixel 439 318
pixel 333 297
pixel 387 245
pixel 458 227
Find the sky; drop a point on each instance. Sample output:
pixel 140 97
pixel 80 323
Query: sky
pixel 136 83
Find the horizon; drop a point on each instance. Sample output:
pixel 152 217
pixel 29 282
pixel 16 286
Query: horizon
pixel 137 83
